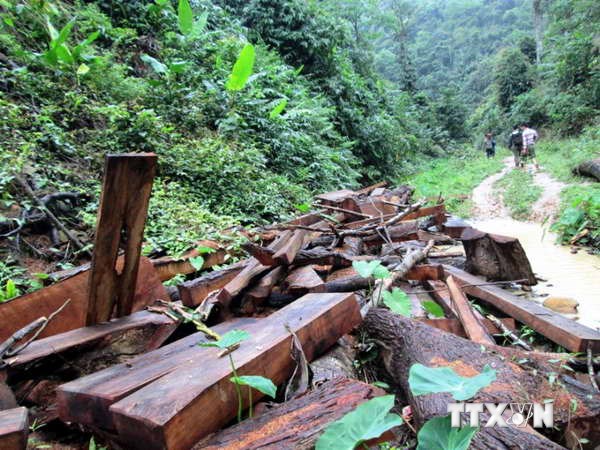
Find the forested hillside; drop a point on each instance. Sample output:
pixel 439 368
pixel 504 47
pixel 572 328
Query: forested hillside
pixel 340 93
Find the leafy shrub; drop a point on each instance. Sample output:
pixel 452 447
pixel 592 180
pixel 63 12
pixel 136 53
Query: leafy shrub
pixel 581 212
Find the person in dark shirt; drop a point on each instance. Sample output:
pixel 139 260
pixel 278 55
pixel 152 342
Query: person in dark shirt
pixel 489 145
pixel 515 144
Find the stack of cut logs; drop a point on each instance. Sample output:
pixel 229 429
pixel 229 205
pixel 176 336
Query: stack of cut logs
pixel 140 380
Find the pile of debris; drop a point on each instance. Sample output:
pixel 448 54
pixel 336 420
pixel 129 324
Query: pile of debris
pixel 108 349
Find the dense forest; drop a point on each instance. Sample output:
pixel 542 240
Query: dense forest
pixel 340 93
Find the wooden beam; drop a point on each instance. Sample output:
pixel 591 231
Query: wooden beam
pixel 86 400
pixel 177 410
pixel 121 218
pixel 424 272
pixel 168 266
pixel 14 429
pixel 194 292
pixel 473 327
pixel 572 335
pixel 455 327
pixel 256 295
pixel 158 326
pixel 302 281
pixel 296 424
pixel 21 311
pixel 287 252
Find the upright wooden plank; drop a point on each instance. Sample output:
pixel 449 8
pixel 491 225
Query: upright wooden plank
pixel 566 332
pixel 177 410
pixel 473 327
pixel 287 252
pixel 14 429
pixel 121 218
pixel 21 311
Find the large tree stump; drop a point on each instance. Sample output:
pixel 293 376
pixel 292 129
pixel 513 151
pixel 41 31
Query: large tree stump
pixel 589 168
pixel 405 342
pixel 496 257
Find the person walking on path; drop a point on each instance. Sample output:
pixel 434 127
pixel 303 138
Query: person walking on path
pixel 530 137
pixel 515 145
pixel 489 145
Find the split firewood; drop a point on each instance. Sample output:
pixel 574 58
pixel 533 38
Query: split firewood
pixel 405 342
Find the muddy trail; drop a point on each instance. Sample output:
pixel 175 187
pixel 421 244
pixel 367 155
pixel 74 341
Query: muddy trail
pixel 570 277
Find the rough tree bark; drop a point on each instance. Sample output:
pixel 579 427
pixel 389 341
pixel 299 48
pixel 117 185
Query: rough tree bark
pixel 405 342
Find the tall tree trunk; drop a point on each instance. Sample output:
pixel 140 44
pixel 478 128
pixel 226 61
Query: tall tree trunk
pixel 538 25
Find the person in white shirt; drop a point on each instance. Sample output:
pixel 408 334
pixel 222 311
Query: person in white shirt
pixel 530 137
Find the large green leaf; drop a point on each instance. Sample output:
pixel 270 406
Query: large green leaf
pixel 185 16
pixel 427 380
pixel 433 308
pixel 368 421
pixel 257 382
pixel 227 340
pixel 438 434
pixel 197 262
pixel 367 269
pixel 156 65
pixel 278 109
pixel 398 302
pixel 242 69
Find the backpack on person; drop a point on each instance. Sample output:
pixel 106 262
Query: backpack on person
pixel 516 140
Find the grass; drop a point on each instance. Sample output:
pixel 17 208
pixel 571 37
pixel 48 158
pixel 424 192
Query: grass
pixel 559 157
pixel 519 193
pixel 454 178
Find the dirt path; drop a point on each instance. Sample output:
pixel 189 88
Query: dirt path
pixel 488 204
pixel 570 275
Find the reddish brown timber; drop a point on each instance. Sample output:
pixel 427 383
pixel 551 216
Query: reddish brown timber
pixel 160 326
pixel 256 295
pixel 438 212
pixel 194 292
pixel 23 310
pixel 121 218
pixel 302 281
pixel 177 410
pixel 496 257
pixel 286 253
pixel 571 335
pixel 473 327
pixel 14 429
pixel 87 399
pixel 455 327
pixel 367 190
pixel 296 424
pixel 406 342
pixel 424 272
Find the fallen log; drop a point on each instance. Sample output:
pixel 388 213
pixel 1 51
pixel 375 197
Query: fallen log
pixel 589 168
pixel 296 424
pixel 496 257
pixel 570 334
pixel 169 414
pixel 122 214
pixel 14 429
pixel 471 324
pixel 405 342
pixel 23 310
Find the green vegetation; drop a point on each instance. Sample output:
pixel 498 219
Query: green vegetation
pixel 519 193
pixel 580 202
pixel 454 178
